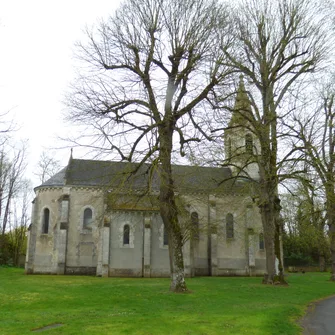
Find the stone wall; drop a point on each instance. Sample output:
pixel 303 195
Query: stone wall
pixel 71 247
pixel 83 242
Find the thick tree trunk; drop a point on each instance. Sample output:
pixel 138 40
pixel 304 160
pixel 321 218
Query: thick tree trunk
pixel 177 264
pixel 332 247
pixel 269 239
pixel 270 214
pixel 331 224
pixel 169 213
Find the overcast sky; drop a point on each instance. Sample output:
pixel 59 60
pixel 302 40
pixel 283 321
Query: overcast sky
pixel 36 64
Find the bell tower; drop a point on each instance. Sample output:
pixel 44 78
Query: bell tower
pixel 241 144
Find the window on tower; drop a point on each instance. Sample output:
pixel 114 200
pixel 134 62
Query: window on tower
pixel 87 218
pixel 229 152
pixel 45 224
pixel 248 144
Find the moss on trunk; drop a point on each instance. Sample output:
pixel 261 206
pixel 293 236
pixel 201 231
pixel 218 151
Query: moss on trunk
pixel 169 212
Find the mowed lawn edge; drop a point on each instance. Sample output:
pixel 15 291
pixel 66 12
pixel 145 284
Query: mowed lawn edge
pixel 215 305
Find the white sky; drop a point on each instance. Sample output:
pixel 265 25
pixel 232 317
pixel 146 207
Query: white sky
pixel 36 64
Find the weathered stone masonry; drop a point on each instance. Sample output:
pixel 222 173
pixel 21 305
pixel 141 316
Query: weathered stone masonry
pixel 88 220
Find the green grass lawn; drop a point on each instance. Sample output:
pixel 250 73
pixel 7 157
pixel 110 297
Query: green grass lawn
pixel 90 305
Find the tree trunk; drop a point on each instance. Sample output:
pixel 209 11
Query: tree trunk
pixel 270 214
pixel 176 263
pixel 332 247
pixel 269 238
pixel 331 224
pixel 278 243
pixel 322 263
pixel 169 213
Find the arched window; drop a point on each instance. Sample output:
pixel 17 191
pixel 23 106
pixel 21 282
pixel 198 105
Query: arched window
pixel 195 224
pixel 126 234
pixel 165 236
pixel 261 241
pixel 249 144
pixel 46 219
pixel 230 225
pixel 87 219
pixel 229 150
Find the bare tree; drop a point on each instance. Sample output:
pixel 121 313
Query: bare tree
pixel 11 173
pixel 47 166
pixel 278 43
pixel 12 167
pixel 317 133
pixel 7 127
pixel 18 224
pixel 150 70
pixel 305 223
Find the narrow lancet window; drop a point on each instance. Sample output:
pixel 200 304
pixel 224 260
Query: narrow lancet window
pixel 229 150
pixel 126 234
pixel 230 225
pixel 249 144
pixel 87 220
pixel 46 218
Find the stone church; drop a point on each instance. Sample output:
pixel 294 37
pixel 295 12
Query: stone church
pixel 98 218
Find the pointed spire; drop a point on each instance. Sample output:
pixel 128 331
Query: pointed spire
pixel 242 105
pixel 68 168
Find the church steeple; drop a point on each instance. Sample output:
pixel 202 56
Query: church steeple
pixel 242 108
pixel 240 143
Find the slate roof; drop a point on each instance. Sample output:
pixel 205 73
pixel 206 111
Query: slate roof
pixel 80 172
pixel 57 180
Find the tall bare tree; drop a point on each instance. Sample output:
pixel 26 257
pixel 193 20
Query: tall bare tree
pixel 18 223
pixel 150 69
pixel 317 134
pixel 305 224
pixel 278 43
pixel 12 167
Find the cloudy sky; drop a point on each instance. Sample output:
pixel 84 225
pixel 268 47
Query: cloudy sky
pixel 36 64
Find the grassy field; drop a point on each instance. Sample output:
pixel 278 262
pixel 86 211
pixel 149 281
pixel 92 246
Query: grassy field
pixel 90 305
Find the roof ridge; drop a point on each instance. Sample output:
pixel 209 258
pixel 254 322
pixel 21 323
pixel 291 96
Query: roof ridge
pixel 146 163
